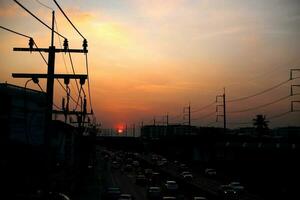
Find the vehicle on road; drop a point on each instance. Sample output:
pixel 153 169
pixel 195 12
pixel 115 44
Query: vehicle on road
pixel 154 193
pixel 237 186
pixel 187 175
pixel 171 186
pixel 210 172
pixel 126 197
pixel 112 193
pixel 199 198
pixel 115 165
pixel 141 179
pixel 227 192
pixel 155 179
pixel 169 198
pixel 148 172
pixel 128 168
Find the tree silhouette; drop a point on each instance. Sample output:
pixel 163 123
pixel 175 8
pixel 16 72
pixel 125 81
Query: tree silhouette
pixel 261 124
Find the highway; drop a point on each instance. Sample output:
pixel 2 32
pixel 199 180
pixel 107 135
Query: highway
pixel 200 185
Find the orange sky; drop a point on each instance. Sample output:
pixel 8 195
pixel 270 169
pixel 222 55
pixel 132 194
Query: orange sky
pixel 148 58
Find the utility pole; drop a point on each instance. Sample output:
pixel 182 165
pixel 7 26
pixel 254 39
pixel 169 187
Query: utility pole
pixel 292 71
pixel 223 96
pixel 187 113
pixel 51 69
pixel 126 129
pixel 167 119
pixel 154 122
pixel 224 111
pixel 293 93
pixel 50 76
pixel 133 130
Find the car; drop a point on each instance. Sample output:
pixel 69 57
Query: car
pixel 237 186
pixel 54 195
pixel 154 193
pixel 154 158
pixel 199 198
pixel 136 163
pixel 210 172
pixel 187 177
pixel 140 179
pixel 155 178
pixel 171 186
pixel 169 198
pixel 125 197
pixel 148 172
pixel 115 165
pixel 227 191
pixel 128 168
pixel 112 193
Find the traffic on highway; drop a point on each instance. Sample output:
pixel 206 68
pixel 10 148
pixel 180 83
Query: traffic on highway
pixel 132 175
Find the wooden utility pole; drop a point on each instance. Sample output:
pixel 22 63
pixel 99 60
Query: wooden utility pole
pixel 133 130
pixel 50 76
pixel 223 105
pixel 187 113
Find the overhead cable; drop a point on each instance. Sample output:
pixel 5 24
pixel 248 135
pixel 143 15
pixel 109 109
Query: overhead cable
pixel 38 18
pixel 15 32
pixel 88 79
pixel 259 93
pixel 261 106
pixel 68 19
pixel 203 108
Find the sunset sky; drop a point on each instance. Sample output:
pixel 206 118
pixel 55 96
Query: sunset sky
pixel 152 57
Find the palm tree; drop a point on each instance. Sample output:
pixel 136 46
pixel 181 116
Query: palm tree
pixel 261 124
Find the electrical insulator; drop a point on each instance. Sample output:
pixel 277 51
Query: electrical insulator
pixel 66 81
pixel 82 81
pixel 66 45
pixel 35 80
pixel 85 45
pixel 31 43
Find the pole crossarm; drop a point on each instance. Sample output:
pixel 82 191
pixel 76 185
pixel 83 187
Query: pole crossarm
pixel 291 73
pixel 57 76
pixel 47 50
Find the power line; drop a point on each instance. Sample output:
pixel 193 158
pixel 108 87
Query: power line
pixel 203 108
pixel 211 123
pixel 261 106
pixel 239 123
pixel 63 56
pixel 38 18
pixel 68 19
pixel 259 93
pixel 88 79
pixel 204 116
pixel 62 53
pixel 279 115
pixel 44 5
pixel 41 54
pixel 176 116
pixel 71 61
pixel 15 32
pixel 44 91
